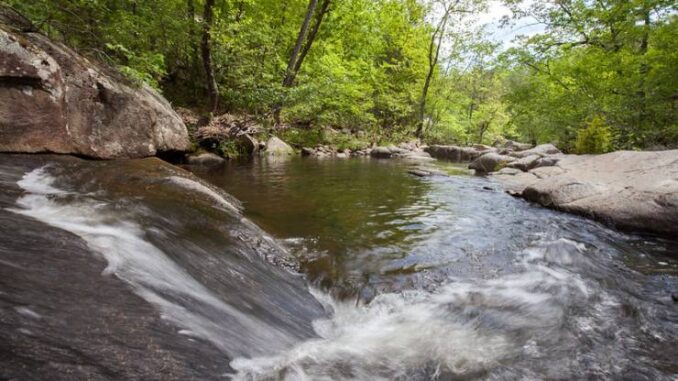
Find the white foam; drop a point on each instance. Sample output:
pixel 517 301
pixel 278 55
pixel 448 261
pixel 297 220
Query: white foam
pixel 39 181
pixel 463 327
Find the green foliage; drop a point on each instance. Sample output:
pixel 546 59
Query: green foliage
pixel 594 138
pixel 612 58
pixel 230 149
pixel 314 137
pixel 145 67
pixel 366 68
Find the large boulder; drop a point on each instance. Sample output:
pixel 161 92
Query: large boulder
pixel 628 189
pixel 277 147
pixel 540 150
pixel 456 153
pixel 490 162
pixel 54 100
pixel 381 152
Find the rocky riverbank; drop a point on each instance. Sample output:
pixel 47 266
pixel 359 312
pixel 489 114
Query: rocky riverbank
pixel 626 189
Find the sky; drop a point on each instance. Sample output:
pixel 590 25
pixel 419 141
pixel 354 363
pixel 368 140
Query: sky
pixel 496 10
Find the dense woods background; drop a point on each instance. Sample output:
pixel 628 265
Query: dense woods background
pixel 601 75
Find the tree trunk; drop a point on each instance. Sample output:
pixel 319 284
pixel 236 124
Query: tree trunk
pixel 432 62
pixel 311 36
pixel 206 50
pixel 290 73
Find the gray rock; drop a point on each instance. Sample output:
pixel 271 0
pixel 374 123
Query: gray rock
pixel 508 171
pixel 628 189
pixel 54 100
pixel 547 161
pixel 306 151
pixel 516 146
pixel 425 172
pixel 455 153
pixel 541 150
pixel 490 162
pixel 204 159
pixel 526 163
pixel 544 172
pixel 381 152
pixel 277 147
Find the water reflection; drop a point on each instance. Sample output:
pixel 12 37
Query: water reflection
pixel 365 227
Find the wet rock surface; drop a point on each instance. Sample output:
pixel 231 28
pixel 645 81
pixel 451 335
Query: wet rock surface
pixel 135 269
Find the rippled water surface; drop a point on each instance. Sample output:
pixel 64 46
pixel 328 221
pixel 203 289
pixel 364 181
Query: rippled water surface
pixel 448 276
pixel 136 270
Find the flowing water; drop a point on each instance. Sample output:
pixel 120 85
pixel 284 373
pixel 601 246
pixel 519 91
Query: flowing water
pixel 140 270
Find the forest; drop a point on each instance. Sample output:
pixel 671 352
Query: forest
pixel 597 76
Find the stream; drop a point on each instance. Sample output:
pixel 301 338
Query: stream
pixel 310 269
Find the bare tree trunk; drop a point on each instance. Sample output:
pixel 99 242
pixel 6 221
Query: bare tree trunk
pixel 311 36
pixel 212 88
pixel 433 53
pixel 294 64
pixel 303 32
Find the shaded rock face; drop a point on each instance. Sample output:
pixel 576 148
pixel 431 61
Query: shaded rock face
pixel 54 100
pixel 632 190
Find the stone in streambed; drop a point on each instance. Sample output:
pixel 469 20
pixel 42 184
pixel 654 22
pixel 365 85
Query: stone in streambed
pixel 526 163
pixel 381 152
pixel 276 147
pixel 456 153
pixel 490 162
pixel 540 150
pixel 206 158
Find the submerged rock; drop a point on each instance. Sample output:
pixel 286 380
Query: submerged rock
pixel 54 100
pixel 205 159
pixel 633 190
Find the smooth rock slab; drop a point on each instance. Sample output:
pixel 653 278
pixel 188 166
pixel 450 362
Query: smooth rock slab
pixel 627 189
